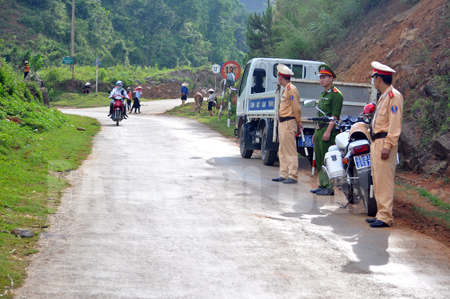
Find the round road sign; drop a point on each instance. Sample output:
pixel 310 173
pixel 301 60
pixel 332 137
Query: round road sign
pixel 231 67
pixel 215 68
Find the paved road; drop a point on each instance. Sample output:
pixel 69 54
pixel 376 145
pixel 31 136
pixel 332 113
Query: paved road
pixel 164 207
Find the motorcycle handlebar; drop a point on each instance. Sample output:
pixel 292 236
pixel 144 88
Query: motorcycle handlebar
pixel 323 118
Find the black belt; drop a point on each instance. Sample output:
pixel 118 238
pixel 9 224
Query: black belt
pixel 282 119
pixel 379 135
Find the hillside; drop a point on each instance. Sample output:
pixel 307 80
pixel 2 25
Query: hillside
pixel 162 33
pixel 414 41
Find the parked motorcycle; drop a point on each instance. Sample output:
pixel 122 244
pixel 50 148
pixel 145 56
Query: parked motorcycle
pixel 347 163
pixel 118 108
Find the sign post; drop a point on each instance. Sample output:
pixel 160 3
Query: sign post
pixel 69 60
pixel 97 63
pixel 216 70
pixel 229 67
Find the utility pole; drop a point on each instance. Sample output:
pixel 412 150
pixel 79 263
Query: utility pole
pixel 72 52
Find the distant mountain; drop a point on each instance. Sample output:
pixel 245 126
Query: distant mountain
pixel 257 6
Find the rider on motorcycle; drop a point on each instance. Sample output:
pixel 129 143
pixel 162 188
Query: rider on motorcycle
pixel 118 90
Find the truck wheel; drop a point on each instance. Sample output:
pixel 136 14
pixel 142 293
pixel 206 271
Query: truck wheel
pixel 268 157
pixel 244 152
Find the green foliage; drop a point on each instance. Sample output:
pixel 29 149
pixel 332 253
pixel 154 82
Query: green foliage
pixel 430 113
pixel 305 29
pixel 178 33
pixel 17 103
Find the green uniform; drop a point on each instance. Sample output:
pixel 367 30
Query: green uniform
pixel 330 102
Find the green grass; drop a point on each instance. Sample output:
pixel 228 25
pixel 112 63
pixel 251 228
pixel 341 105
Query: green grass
pixel 81 100
pixel 435 201
pixel 188 111
pixel 55 76
pixel 31 191
pixel 444 208
pixel 442 216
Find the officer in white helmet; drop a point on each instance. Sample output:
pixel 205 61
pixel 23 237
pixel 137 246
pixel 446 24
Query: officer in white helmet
pixel 385 132
pixel 289 117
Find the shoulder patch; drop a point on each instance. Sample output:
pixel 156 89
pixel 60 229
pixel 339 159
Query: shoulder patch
pixel 291 98
pixel 335 90
pixel 391 94
pixel 289 87
pixel 394 109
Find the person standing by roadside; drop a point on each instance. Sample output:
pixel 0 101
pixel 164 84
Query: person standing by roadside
pixel 137 100
pixel 130 93
pixel 26 69
pixel 385 131
pixel 330 102
pixel 211 100
pixel 289 116
pixel 184 92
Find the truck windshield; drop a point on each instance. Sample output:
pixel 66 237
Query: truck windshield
pixel 296 68
pixel 244 79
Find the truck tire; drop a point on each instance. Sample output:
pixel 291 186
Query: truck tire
pixel 245 153
pixel 268 157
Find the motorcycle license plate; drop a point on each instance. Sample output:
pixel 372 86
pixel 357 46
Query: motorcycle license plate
pixel 308 140
pixel 362 161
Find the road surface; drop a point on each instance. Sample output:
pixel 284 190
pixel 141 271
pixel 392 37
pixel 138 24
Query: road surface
pixel 164 207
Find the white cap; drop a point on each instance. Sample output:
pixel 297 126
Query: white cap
pixel 211 89
pixel 284 70
pixel 87 83
pixel 184 84
pixel 379 68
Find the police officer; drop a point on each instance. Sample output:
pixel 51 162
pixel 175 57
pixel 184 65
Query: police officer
pixel 330 102
pixel 385 131
pixel 289 116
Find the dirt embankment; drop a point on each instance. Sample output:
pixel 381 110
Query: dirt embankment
pixel 414 41
pixel 169 87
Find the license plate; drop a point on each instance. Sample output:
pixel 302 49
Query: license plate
pixel 308 140
pixel 362 161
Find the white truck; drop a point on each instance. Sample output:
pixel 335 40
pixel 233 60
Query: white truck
pixel 258 103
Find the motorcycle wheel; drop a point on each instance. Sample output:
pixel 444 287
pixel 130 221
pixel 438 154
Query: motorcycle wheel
pixel 370 204
pixel 117 117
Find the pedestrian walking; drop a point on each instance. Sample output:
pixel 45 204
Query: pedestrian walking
pixel 26 69
pixel 330 102
pixel 289 117
pixel 130 93
pixel 385 130
pixel 137 100
pixel 184 92
pixel 211 101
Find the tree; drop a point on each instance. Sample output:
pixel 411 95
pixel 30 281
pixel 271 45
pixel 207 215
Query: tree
pixel 260 34
pixel 152 20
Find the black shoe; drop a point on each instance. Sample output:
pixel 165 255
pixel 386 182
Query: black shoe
pixel 368 220
pixel 280 179
pixel 290 181
pixel 379 223
pixel 325 192
pixel 315 190
pixel 109 115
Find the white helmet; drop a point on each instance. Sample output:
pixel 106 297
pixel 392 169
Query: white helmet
pixel 119 83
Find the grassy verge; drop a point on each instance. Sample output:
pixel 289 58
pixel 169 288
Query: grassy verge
pixel 441 214
pixel 31 190
pixel 188 110
pixel 81 100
